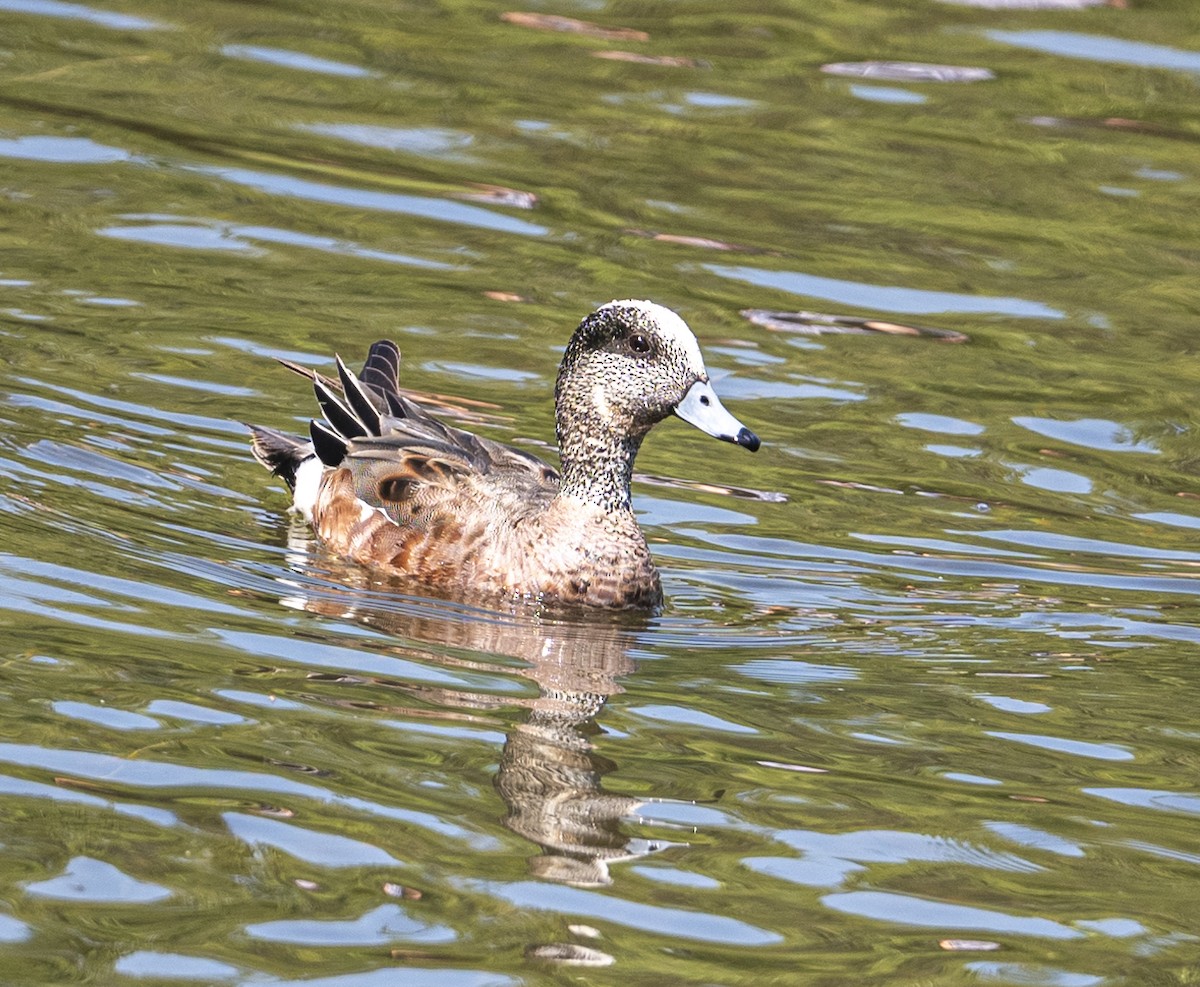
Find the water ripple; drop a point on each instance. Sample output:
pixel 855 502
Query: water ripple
pixel 1148 798
pixel 913 301
pixel 428 141
pixel 151 964
pixel 357 198
pixel 902 909
pixel 674 922
pixel 321 849
pixel 1067 745
pixel 164 775
pixel 205 234
pixel 425 977
pixel 60 150
pixel 80 12
pixel 13 930
pixel 105 716
pixel 1094 433
pixel 378 927
pixel 87 879
pixel 295 60
pixel 55 793
pixel 1099 48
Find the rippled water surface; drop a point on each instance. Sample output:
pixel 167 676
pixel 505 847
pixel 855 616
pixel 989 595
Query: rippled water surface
pixel 921 706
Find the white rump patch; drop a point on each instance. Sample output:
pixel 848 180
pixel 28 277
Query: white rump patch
pixel 308 486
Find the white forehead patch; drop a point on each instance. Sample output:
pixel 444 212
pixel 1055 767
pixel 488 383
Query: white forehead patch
pixel 670 325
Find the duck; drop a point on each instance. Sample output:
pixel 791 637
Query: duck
pixel 386 484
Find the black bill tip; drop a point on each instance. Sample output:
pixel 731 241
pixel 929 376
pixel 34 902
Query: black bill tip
pixel 747 439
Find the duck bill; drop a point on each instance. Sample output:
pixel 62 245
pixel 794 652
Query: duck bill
pixel 702 408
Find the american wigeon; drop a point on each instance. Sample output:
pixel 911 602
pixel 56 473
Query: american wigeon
pixel 386 484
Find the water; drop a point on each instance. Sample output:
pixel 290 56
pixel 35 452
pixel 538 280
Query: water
pixel 920 706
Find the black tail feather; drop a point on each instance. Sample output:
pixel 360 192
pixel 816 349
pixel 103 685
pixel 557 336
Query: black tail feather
pixel 329 445
pixel 340 418
pixel 361 402
pixel 382 369
pixel 277 451
pixel 354 414
pixel 397 406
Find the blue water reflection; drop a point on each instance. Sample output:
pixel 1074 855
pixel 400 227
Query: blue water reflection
pixel 902 909
pixel 423 207
pixel 149 774
pixel 152 965
pixel 431 141
pixel 205 234
pixel 912 301
pixel 888 94
pixel 95 881
pixel 61 150
pixel 321 849
pixel 675 922
pixel 1029 973
pixel 1094 433
pixel 13 930
pixel 80 12
pixel 295 60
pixel 1099 48
pixel 378 927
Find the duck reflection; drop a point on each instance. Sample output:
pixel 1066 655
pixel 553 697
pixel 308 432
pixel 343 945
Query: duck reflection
pixel 550 776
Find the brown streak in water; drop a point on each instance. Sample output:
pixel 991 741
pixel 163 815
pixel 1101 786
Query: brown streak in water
pixel 670 61
pixel 706 243
pixel 553 22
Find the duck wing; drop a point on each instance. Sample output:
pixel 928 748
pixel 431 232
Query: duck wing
pixel 410 464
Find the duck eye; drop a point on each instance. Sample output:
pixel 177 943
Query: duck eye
pixel 639 343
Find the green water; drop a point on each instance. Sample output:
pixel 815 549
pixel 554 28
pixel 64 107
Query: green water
pixel 920 708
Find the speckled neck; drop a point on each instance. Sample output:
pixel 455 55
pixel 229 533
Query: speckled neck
pixel 605 403
pixel 597 468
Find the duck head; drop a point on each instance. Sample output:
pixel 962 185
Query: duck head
pixel 628 366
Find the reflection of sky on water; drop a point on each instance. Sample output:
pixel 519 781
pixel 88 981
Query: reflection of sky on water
pixel 294 60
pixel 684 923
pixel 80 12
pixel 90 880
pixel 162 774
pixel 1095 433
pixel 799 573
pixel 944 424
pixel 887 298
pixel 430 141
pixel 321 849
pixel 396 202
pixel 145 964
pixel 61 150
pixel 204 234
pixel 887 906
pixel 1054 480
pixel 1065 745
pixel 887 94
pixel 1099 48
pixel 81 150
pixel 1056 541
pixel 378 927
pixel 105 716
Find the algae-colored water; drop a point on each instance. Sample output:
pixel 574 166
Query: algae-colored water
pixel 920 708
